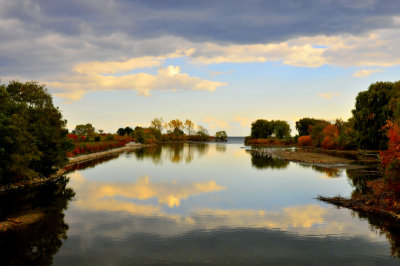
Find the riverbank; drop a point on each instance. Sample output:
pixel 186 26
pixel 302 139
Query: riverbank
pixel 307 157
pixel 72 161
pixel 364 204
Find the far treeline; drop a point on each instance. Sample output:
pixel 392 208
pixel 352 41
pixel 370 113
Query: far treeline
pixel 34 140
pixel 377 110
pixel 174 131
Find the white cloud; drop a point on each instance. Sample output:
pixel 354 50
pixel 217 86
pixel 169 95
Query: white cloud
pixel 366 72
pixel 297 55
pixel 243 121
pixel 328 95
pixel 215 123
pixel 91 76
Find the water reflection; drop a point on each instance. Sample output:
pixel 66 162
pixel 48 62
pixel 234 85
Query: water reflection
pixel 91 163
pixel 263 161
pixel 328 172
pixel 387 226
pixel 119 196
pixel 360 177
pixel 37 242
pixel 175 153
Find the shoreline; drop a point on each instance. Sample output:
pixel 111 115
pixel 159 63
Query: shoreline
pixel 365 204
pixel 307 157
pixel 72 161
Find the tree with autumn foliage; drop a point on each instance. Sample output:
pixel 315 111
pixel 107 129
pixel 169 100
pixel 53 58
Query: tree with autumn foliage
pixel 390 158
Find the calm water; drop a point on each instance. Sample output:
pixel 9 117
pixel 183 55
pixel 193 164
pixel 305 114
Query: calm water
pixel 201 204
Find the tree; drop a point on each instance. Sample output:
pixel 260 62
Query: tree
pixel 85 130
pixel 157 123
pixel 128 131
pixel 261 129
pixel 221 136
pixel 373 108
pixel 33 134
pixel 281 129
pixel 202 130
pixel 189 126
pixel 121 131
pixel 304 125
pixel 390 158
pixel 175 125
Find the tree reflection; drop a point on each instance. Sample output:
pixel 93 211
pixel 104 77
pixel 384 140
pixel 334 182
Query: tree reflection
pixel 35 243
pixel 175 152
pixel 329 172
pixel 264 161
pixel 359 178
pixel 388 226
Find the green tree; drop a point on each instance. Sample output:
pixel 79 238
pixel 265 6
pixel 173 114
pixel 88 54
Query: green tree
pixel 305 125
pixel 221 136
pixel 261 129
pixel 373 108
pixel 128 131
pixel 33 135
pixel 121 131
pixel 281 129
pixel 85 130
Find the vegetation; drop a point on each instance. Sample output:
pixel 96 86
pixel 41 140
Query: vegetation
pixel 262 129
pixel 373 108
pixel 221 136
pixel 33 138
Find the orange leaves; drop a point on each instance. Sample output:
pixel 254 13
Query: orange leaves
pixel 331 131
pixel 304 141
pixel 393 151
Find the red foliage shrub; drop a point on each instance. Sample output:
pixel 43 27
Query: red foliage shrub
pixel 328 143
pixel 393 151
pixel 266 142
pixel 390 159
pixel 91 147
pixel 331 131
pixel 73 137
pixel 304 141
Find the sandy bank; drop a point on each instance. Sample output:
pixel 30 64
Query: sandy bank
pixel 295 155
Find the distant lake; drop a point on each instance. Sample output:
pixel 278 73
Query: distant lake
pixel 213 203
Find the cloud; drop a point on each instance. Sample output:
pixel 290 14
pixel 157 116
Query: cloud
pixel 366 72
pixel 328 95
pixel 296 55
pixel 42 39
pixel 94 76
pixel 107 196
pixel 244 121
pixel 216 124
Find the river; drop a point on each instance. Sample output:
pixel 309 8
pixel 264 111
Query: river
pixel 213 203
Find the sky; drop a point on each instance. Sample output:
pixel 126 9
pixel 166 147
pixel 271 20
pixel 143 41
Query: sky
pixel 220 63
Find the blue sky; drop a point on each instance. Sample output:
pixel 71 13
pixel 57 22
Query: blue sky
pixel 222 64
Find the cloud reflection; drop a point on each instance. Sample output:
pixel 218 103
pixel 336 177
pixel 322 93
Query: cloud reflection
pixel 118 202
pixel 99 195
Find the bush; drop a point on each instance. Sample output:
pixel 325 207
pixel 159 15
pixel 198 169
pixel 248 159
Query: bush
pixel 305 141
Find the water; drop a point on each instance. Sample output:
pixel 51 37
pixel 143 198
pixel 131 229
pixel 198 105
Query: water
pixel 214 203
